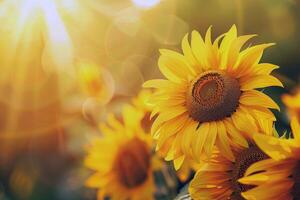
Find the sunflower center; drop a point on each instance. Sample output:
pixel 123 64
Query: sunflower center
pixel 243 161
pixel 132 163
pixel 296 178
pixel 213 96
pixel 94 87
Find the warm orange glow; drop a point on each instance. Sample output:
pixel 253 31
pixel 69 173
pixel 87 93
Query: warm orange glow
pixel 44 20
pixel 134 99
pixel 35 47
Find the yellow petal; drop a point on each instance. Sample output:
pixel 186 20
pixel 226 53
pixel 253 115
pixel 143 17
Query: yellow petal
pixel 131 117
pixel 97 180
pixel 213 54
pixel 188 136
pixel 235 134
pixel 223 141
pixel 178 162
pixel 250 57
pixel 259 81
pixel 156 125
pixel 172 112
pixel 179 62
pixel 234 50
pixel 162 138
pixel 172 69
pixel 114 123
pixel 291 101
pixel 256 98
pixel 276 148
pixel 260 166
pixel 199 49
pixel 254 179
pixel 270 167
pixel 264 68
pixel 200 140
pixel 184 172
pixel 208 37
pixel 225 45
pixel 280 191
pixel 265 125
pixel 243 121
pixel 261 113
pixel 228 38
pixel 170 128
pixel 105 130
pixel 211 139
pixel 175 150
pixel 296 128
pixel 188 53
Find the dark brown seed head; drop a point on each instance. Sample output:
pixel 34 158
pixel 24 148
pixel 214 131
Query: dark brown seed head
pixel 296 178
pixel 243 161
pixel 213 96
pixel 132 163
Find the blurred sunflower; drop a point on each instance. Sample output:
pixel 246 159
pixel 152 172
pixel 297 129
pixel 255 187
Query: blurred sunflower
pixel 209 95
pixel 218 178
pixel 95 82
pixel 281 173
pixel 123 159
pixel 292 102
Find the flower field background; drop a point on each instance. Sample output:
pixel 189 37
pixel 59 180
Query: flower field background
pixel 83 116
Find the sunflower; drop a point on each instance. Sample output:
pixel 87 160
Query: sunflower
pixel 277 178
pixel 95 82
pixel 292 102
pixel 218 178
pixel 209 95
pixel 123 159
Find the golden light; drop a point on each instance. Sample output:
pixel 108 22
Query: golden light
pixel 59 44
pixel 44 21
pixel 145 3
pixel 36 55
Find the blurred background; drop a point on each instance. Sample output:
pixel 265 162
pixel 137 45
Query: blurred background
pixel 48 114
